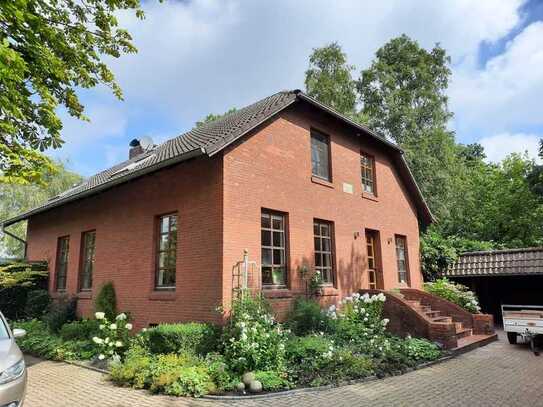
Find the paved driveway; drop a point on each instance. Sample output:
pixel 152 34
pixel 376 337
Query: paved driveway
pixel 496 375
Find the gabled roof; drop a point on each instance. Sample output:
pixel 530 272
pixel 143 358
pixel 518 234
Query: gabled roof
pixel 211 138
pixel 512 262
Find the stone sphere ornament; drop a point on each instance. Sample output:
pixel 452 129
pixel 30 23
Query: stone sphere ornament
pixel 240 387
pixel 255 386
pixel 247 378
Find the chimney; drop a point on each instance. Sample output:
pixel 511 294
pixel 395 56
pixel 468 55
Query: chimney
pixel 135 148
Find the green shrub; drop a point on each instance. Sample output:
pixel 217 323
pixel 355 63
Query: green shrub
pixel 218 371
pixel 79 330
pixel 106 301
pixel 37 302
pixel 194 337
pixel 273 381
pixel 252 340
pixel 135 368
pixel 60 312
pixel 180 375
pixel 454 292
pixel 315 360
pixel 307 317
pixel 421 349
pixel 40 341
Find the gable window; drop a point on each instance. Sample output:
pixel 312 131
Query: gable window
pixel 324 251
pixel 320 155
pixel 273 248
pixel 88 241
pixel 401 259
pixel 166 252
pixel 367 166
pixel 63 247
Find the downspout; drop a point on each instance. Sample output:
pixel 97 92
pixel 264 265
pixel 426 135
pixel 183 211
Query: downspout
pixel 25 244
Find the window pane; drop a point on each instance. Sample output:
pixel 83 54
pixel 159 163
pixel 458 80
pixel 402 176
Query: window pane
pixel 267 275
pixel 164 224
pixel 265 220
pixel 278 239
pixel 325 230
pixel 278 257
pixel 266 237
pixel 326 246
pixel 320 155
pixel 318 259
pixel 326 260
pixel 163 242
pixel 317 244
pixel 266 257
pixel 278 275
pixel 278 223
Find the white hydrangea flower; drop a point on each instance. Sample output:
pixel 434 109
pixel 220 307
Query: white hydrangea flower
pixel 121 317
pixel 97 340
pixel 113 326
pixel 101 357
pixel 129 327
pixel 386 321
pixel 118 344
pixel 102 326
pixel 99 315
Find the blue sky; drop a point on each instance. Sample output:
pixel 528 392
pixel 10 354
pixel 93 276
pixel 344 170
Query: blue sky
pixel 202 56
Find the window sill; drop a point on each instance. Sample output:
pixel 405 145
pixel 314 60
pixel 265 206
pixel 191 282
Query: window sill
pixel 370 197
pixel 273 293
pixel 163 295
pixel 329 291
pixel 321 181
pixel 84 295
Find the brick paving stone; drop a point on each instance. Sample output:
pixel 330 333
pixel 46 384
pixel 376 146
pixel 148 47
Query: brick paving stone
pixel 496 375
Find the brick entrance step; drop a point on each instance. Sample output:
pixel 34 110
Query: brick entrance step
pixel 463 336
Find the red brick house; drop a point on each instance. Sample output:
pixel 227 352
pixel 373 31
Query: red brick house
pixel 287 178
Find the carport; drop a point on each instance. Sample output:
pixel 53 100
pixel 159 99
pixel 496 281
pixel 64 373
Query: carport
pixel 513 276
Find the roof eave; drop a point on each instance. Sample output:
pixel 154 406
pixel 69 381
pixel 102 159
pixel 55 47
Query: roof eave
pixel 110 184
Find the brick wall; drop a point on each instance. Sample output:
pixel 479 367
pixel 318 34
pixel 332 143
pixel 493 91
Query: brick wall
pixel 125 222
pixel 272 169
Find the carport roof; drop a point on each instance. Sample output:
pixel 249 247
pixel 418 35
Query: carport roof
pixel 511 262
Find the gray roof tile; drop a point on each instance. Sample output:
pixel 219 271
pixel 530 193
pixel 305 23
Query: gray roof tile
pixel 207 139
pixel 510 262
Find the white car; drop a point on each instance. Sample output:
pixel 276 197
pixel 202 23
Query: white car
pixel 12 367
pixel 523 320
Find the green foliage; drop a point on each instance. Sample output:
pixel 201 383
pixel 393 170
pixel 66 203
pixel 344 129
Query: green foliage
pixel 192 337
pixel 16 199
pixel 37 302
pixel 315 360
pixel 252 340
pixel 17 279
pixel 179 375
pixel 219 373
pixel 421 349
pixel 60 312
pixel 454 292
pixel 307 317
pixel 273 381
pixel 40 341
pixel 212 117
pixel 134 368
pixel 106 301
pixel 79 330
pixel 360 322
pixel 439 252
pixel 329 80
pixel 47 51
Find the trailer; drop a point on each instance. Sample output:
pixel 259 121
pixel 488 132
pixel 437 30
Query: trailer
pixel 523 320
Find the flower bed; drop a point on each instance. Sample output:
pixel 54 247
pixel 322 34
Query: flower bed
pixel 252 353
pixel 256 354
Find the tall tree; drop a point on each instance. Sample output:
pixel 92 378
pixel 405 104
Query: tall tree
pixel 403 94
pixel 329 79
pixel 16 198
pixel 212 117
pixel 49 49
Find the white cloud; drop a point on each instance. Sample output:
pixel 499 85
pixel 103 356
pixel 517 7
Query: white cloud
pixel 499 146
pixel 507 92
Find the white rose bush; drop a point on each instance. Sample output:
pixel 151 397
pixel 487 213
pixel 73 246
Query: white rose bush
pixel 112 340
pixel 359 322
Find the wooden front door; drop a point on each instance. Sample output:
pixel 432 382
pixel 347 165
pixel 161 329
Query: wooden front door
pixel 374 269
